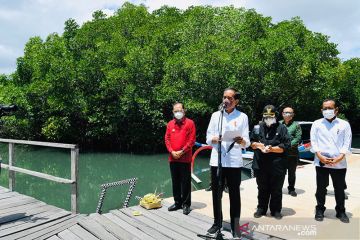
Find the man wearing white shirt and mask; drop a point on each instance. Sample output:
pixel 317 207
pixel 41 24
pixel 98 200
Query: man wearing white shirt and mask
pixel 330 141
pixel 233 121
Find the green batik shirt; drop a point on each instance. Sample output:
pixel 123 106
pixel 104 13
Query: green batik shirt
pixel 294 131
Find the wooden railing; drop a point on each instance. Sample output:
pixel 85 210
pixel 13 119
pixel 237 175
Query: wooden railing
pixel 74 150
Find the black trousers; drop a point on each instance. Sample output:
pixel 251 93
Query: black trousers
pixel 322 181
pixel 181 183
pixel 269 190
pixel 232 176
pixel 292 161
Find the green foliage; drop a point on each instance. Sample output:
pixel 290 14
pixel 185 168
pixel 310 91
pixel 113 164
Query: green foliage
pixel 111 82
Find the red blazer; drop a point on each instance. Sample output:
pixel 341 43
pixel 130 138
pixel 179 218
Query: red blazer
pixel 180 136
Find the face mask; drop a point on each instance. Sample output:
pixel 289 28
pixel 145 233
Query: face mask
pixel 329 113
pixel 178 115
pixel 269 121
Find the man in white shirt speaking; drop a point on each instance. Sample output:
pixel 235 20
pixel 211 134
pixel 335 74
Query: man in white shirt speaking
pixel 235 136
pixel 330 141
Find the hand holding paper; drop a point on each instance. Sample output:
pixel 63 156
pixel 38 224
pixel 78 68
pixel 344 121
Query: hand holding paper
pixel 229 136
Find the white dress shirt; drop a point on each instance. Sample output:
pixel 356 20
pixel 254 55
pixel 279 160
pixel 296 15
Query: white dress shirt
pixel 331 139
pixel 234 121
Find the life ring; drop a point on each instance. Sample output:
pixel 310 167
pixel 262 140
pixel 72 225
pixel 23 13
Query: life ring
pixel 203 147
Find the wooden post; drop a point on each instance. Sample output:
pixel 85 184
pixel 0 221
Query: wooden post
pixel 74 177
pixel 11 163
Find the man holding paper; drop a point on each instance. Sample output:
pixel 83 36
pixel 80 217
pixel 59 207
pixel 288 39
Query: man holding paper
pixel 235 132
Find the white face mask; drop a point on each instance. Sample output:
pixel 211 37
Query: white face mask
pixel 178 115
pixel 269 121
pixel 329 113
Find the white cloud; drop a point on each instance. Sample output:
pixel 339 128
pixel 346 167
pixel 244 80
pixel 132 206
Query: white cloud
pixel 22 19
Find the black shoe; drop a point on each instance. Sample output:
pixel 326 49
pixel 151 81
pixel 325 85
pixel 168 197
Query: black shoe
pixel 277 215
pixel 186 210
pixel 293 193
pixel 214 228
pixel 259 213
pixel 174 207
pixel 342 216
pixel 208 189
pixel 235 235
pixel 319 215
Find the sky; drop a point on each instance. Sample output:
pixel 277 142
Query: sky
pixel 23 19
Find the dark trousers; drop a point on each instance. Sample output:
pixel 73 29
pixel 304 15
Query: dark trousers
pixel 292 161
pixel 269 190
pixel 181 183
pixel 232 176
pixel 322 181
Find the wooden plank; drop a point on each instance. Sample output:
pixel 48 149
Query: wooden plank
pixel 184 222
pixel 2 189
pixel 111 227
pixel 54 238
pixel 82 233
pixel 46 230
pixel 4 195
pixel 19 208
pixel 164 230
pixel 176 227
pixel 194 215
pixel 134 222
pixel 131 229
pixel 96 229
pixel 12 199
pixel 11 163
pixel 202 223
pixel 67 235
pixel 37 143
pixel 19 202
pixel 31 223
pixel 28 219
pixel 37 174
pixel 74 178
pixel 21 215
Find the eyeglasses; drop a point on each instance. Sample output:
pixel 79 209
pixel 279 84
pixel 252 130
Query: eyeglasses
pixel 288 113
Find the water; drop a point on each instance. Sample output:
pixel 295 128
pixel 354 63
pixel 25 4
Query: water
pixel 355 141
pixel 95 169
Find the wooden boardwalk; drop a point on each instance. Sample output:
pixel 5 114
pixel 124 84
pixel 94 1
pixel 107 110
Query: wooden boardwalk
pixel 23 217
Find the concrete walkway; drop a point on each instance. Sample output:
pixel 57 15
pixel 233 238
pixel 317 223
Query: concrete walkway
pixel 298 221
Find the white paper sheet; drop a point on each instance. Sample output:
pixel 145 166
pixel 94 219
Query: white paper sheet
pixel 230 135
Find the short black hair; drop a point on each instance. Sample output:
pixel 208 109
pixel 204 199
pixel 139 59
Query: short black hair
pixel 288 106
pixel 330 99
pixel 176 103
pixel 237 94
